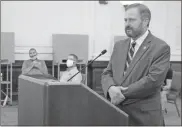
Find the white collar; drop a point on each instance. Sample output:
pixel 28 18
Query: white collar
pixel 141 39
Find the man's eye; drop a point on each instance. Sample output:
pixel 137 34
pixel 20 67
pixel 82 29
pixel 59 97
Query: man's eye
pixel 131 20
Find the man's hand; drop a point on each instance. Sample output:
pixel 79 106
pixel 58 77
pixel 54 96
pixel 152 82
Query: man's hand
pixel 36 64
pixel 116 95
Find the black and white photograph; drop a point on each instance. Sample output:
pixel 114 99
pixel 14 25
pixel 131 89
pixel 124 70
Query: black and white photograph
pixel 90 63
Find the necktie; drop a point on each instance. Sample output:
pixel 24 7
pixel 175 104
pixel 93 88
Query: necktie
pixel 129 56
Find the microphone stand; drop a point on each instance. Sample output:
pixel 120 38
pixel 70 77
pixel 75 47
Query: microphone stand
pixel 85 67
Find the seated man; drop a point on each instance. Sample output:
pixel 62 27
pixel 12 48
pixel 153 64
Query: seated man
pixel 34 66
pixel 166 87
pixel 71 70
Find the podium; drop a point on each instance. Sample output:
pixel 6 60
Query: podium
pixel 43 101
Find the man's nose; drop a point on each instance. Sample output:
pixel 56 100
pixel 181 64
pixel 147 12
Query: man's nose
pixel 127 23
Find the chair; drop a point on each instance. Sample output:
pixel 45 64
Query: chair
pixel 83 78
pixel 175 90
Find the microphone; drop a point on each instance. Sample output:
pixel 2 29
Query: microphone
pixel 102 53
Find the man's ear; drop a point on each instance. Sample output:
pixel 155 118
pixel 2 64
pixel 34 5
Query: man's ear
pixel 145 21
pixel 74 62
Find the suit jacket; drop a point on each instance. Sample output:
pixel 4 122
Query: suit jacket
pixel 143 78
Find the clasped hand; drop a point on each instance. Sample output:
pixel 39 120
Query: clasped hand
pixel 36 64
pixel 116 95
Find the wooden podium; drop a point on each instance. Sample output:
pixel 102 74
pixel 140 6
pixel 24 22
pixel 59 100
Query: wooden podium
pixel 44 101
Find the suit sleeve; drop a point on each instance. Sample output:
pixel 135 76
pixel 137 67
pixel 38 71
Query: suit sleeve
pixel 152 82
pixel 107 76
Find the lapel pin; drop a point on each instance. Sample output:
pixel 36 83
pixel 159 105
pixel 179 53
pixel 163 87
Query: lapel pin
pixel 144 47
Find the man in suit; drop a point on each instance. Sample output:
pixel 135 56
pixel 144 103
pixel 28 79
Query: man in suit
pixel 137 69
pixel 34 66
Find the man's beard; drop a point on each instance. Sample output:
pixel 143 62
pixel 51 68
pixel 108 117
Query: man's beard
pixel 130 32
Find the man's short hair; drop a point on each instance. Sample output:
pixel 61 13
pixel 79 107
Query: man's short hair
pixel 32 49
pixel 143 9
pixel 74 56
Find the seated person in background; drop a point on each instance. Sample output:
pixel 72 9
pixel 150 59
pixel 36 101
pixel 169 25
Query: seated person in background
pixel 71 70
pixel 34 66
pixel 166 87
